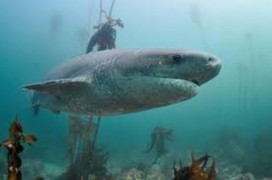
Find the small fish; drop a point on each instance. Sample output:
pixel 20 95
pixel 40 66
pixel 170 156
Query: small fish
pixel 29 139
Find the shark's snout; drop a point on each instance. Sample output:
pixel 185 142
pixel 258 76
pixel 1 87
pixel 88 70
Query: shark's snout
pixel 212 69
pixel 215 64
pixel 213 60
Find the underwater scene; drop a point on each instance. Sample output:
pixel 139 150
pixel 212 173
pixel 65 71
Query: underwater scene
pixel 135 90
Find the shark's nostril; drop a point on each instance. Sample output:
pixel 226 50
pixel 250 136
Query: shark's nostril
pixel 213 61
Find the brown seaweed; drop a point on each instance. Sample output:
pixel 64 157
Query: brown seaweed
pixel 15 147
pixel 196 171
pixel 86 160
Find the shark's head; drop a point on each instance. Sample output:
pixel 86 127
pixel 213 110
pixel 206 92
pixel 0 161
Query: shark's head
pixel 169 75
pixel 196 67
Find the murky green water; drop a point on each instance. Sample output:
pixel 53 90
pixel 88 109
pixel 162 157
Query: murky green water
pixel 234 108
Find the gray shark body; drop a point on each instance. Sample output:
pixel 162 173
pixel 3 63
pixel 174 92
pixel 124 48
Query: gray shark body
pixel 115 82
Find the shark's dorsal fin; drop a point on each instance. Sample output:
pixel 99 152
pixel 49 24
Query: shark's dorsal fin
pixel 56 87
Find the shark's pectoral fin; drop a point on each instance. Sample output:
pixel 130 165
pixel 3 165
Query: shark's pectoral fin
pixel 58 87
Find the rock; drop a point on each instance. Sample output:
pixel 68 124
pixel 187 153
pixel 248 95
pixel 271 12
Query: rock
pixel 131 174
pixel 33 168
pixel 247 176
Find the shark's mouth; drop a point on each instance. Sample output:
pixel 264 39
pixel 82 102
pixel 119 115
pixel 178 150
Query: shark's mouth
pixel 195 82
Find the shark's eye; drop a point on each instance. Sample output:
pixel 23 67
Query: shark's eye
pixel 177 59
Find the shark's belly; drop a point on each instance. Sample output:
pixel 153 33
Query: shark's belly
pixel 118 95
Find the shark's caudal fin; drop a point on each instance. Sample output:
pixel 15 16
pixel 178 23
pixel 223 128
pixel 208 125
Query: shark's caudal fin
pixel 57 87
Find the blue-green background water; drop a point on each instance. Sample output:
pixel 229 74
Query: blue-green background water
pixel 238 31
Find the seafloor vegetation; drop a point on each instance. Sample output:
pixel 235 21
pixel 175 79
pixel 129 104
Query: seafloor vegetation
pixel 231 159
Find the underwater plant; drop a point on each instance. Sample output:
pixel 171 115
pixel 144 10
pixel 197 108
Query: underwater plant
pixel 79 133
pixel 86 160
pixel 93 164
pixel 158 137
pixel 98 164
pixel 196 171
pixel 15 147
